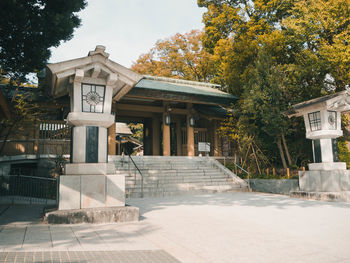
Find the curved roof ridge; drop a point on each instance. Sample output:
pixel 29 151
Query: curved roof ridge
pixel 182 81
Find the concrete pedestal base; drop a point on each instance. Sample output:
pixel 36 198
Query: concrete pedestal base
pixel 324 181
pixel 89 191
pixel 93 215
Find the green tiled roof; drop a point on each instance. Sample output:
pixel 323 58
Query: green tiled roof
pixel 184 87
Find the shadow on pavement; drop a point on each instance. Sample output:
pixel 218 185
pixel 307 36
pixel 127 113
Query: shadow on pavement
pixel 230 199
pixel 21 214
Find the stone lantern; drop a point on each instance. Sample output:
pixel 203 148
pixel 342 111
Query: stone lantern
pixel 322 117
pixel 92 83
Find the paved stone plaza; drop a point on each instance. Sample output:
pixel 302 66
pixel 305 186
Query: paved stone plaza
pixel 230 227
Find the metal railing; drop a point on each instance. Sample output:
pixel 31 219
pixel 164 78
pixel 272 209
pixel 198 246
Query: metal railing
pixel 136 168
pixel 28 189
pixel 225 159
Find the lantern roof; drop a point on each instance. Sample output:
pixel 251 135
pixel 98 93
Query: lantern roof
pixel 95 66
pixel 339 101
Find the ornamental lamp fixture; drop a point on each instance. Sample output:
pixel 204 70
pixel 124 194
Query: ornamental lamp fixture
pixel 192 121
pixel 322 118
pixel 167 119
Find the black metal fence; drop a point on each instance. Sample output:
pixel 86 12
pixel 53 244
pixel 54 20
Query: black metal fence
pixel 28 189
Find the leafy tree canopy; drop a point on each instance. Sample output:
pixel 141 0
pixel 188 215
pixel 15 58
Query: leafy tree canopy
pixel 28 28
pixel 274 53
pixel 180 56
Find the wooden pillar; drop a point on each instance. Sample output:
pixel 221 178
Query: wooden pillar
pixel 111 140
pixel 216 140
pixel 36 138
pixel 190 132
pixel 178 138
pixel 155 136
pixel 166 138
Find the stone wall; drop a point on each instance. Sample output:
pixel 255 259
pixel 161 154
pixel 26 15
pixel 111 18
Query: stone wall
pixel 274 186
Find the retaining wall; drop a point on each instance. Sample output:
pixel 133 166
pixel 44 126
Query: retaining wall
pixel 275 186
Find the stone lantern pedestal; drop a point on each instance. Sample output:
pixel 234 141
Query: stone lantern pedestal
pixel 326 178
pixel 92 83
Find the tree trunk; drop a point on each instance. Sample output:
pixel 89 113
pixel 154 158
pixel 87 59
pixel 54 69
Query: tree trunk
pixel 2 147
pixel 287 151
pixel 256 160
pixel 279 145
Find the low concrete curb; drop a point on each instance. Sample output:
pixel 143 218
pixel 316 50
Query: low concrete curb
pixel 343 196
pixel 93 215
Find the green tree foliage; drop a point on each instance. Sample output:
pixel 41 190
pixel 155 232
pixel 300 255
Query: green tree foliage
pixel 273 54
pixel 137 130
pixel 22 109
pixel 180 56
pixel 28 28
pixel 343 152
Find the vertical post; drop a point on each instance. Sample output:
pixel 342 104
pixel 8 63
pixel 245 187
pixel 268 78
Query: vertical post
pixel 288 173
pixel 267 171
pixel 36 138
pixel 273 171
pixel 166 138
pixel 190 132
pixel 155 136
pixel 111 140
pixel 215 139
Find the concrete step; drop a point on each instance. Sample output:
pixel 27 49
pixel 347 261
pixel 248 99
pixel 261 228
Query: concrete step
pixel 179 180
pixel 183 192
pixel 183 186
pixel 166 168
pixel 166 176
pixel 174 175
pixel 174 181
pixel 155 184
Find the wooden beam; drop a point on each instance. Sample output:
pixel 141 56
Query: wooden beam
pixel 147 108
pixel 134 114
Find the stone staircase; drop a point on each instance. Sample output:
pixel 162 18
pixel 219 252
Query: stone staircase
pixel 172 175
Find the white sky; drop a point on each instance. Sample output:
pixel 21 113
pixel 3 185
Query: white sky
pixel 128 28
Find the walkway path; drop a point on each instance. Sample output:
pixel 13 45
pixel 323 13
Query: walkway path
pixel 230 227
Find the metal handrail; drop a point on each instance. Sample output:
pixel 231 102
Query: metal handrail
pixel 237 166
pixel 137 168
pixel 248 177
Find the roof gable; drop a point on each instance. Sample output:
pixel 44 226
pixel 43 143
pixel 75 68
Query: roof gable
pixel 96 67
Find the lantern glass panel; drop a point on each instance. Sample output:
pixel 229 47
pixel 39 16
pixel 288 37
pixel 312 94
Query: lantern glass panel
pixel 332 120
pixel 315 121
pixel 92 98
